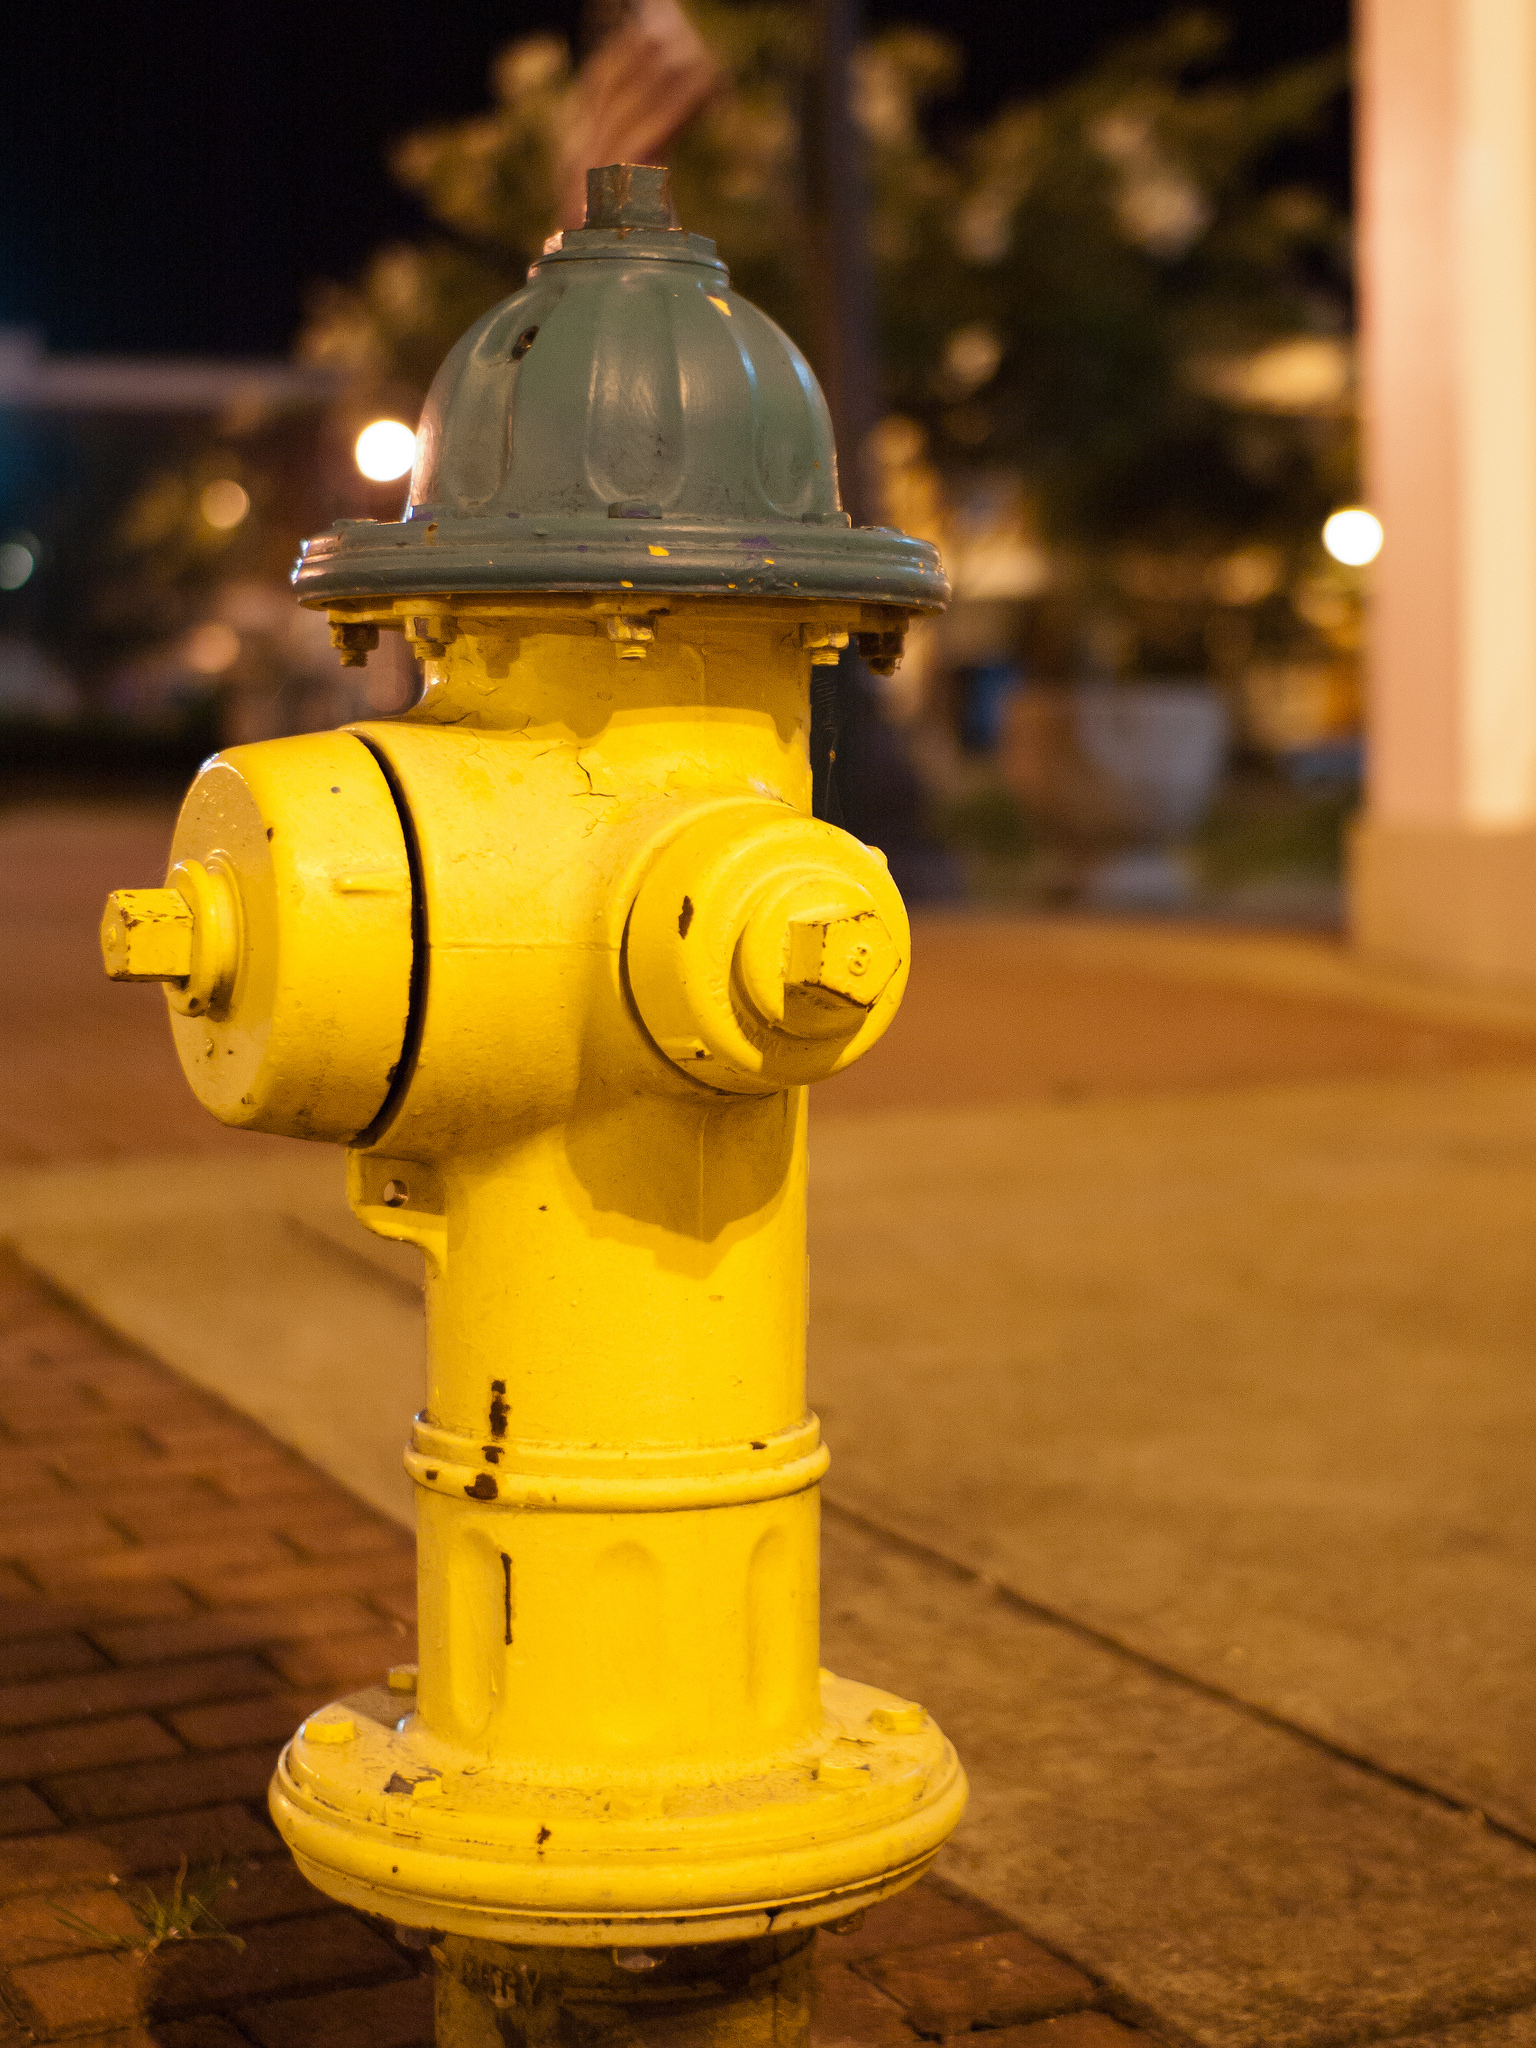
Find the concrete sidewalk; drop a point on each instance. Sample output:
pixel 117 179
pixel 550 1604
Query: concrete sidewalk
pixel 1170 1330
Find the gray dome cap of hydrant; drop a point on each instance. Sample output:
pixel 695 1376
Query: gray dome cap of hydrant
pixel 625 421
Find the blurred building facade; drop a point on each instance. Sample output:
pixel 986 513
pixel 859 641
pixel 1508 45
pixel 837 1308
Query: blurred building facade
pixel 149 509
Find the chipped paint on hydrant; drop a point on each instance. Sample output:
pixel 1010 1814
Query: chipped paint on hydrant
pixel 556 955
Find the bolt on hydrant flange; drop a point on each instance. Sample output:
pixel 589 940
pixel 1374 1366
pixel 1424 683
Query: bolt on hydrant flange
pixel 555 954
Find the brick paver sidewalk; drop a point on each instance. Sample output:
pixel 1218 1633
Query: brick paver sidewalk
pixel 176 1592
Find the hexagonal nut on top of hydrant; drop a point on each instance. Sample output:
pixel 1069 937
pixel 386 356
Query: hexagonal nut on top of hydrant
pixel 555 953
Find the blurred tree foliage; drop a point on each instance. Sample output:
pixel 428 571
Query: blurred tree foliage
pixel 1102 292
pixel 1075 289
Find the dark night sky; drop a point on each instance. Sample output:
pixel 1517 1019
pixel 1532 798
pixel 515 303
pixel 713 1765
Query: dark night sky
pixel 173 176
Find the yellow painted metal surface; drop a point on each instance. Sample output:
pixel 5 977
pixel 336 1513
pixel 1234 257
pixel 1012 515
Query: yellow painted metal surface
pixel 559 951
pixel 146 935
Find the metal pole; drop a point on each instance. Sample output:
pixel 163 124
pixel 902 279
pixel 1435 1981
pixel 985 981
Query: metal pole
pixel 843 283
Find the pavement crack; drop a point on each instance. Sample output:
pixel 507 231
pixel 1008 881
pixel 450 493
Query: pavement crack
pixel 1055 1617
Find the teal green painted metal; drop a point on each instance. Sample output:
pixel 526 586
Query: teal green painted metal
pixel 625 421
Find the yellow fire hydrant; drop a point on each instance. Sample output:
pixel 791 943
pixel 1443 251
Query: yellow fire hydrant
pixel 555 955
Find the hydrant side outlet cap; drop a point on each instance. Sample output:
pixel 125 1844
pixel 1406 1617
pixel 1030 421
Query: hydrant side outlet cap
pixel 625 421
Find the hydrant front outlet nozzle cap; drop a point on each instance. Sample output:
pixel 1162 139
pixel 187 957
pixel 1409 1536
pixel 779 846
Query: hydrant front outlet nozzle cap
pixel 624 422
pixel 766 950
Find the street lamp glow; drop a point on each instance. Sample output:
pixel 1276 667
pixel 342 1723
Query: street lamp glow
pixel 385 450
pixel 17 561
pixel 1353 536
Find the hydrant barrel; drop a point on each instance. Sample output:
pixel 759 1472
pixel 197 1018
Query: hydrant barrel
pixel 558 954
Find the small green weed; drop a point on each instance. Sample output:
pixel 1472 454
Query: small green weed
pixel 187 1915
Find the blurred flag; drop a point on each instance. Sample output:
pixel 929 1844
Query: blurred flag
pixel 646 78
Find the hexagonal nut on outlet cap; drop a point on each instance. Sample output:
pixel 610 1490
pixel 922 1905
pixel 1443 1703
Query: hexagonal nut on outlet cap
pixel 146 935
pixel 851 957
pixel 186 936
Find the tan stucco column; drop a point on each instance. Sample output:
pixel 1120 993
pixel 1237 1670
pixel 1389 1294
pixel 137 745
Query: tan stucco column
pixel 1444 864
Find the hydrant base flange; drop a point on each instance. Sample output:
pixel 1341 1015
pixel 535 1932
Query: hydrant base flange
pixel 377 1821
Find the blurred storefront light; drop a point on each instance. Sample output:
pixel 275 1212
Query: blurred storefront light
pixel 224 503
pixel 212 648
pixel 1309 375
pixel 385 450
pixel 1353 536
pixel 971 358
pixel 1246 577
